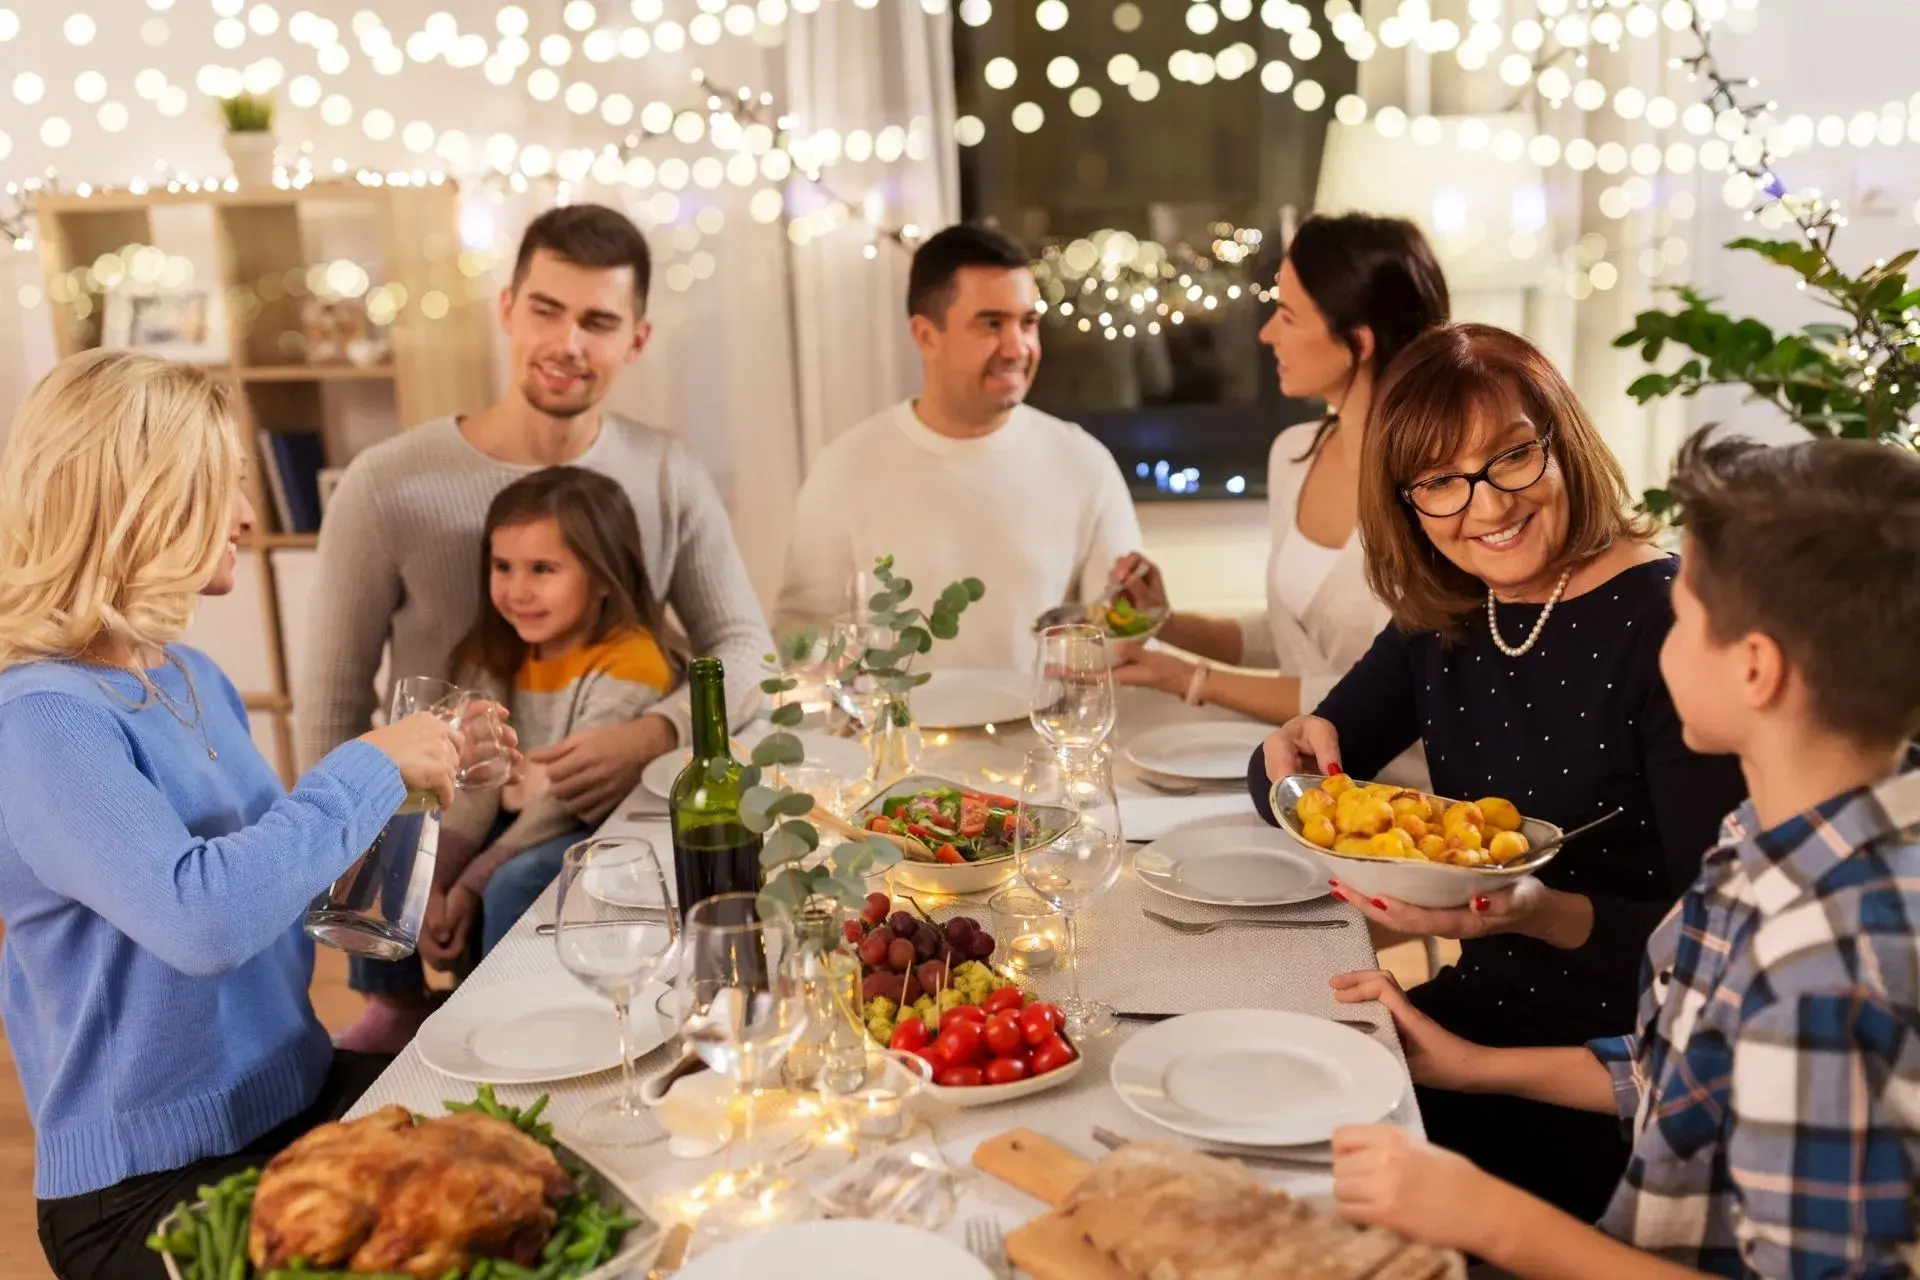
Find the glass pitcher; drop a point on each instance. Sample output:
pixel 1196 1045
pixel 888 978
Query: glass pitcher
pixel 375 908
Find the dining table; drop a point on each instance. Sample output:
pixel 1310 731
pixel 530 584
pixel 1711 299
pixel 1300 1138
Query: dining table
pixel 1126 959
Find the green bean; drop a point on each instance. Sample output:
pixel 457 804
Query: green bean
pixel 481 1269
pixel 205 1259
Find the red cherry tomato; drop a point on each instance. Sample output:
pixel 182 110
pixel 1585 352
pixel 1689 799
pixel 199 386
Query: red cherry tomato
pixel 948 854
pixel 960 1078
pixel 936 1062
pixel 910 1036
pixel 1007 1070
pixel 963 1013
pixel 1003 1035
pixel 1038 1021
pixel 1006 998
pixel 1051 1055
pixel 964 1042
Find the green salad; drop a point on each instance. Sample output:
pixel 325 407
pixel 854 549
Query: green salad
pixel 208 1240
pixel 1124 619
pixel 958 824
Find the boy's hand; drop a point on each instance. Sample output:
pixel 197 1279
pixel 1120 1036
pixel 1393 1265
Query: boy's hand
pixel 1435 1055
pixel 1383 1176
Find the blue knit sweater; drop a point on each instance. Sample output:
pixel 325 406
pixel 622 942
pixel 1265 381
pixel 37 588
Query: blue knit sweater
pixel 154 975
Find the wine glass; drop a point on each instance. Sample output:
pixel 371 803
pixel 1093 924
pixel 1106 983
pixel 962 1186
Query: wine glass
pixel 1068 849
pixel 1073 707
pixel 741 972
pixel 851 689
pixel 615 930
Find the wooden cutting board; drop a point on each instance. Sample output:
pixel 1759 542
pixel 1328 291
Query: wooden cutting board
pixel 1050 1247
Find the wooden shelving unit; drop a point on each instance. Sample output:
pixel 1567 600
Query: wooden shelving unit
pixel 258 243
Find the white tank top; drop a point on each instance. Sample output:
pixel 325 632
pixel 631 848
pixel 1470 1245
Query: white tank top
pixel 1299 570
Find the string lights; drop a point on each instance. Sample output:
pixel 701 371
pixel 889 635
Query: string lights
pixel 1123 287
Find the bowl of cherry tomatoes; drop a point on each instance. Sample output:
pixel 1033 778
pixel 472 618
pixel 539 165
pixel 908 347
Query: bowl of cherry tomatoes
pixel 1006 1048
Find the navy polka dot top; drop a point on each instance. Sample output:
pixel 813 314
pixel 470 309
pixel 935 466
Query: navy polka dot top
pixel 1579 725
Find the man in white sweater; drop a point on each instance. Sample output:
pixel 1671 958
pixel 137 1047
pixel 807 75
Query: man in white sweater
pixel 965 480
pixel 401 555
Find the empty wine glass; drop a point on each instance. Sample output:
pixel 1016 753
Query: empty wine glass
pixel 852 690
pixel 1068 849
pixel 741 972
pixel 1073 707
pixel 614 929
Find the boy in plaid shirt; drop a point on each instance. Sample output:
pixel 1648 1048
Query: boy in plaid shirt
pixel 1773 1081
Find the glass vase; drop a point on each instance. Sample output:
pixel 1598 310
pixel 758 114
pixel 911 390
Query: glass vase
pixel 892 742
pixel 830 982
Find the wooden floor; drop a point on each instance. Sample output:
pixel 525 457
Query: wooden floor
pixel 20 1257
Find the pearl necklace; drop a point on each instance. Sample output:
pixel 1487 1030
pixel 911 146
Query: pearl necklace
pixel 1546 611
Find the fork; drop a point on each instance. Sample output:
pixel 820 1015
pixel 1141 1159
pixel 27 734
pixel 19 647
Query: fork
pixel 1209 926
pixel 985 1242
pixel 1172 788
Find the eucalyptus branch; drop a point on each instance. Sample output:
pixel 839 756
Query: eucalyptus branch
pixel 779 813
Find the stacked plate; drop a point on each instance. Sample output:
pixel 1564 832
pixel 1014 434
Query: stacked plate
pixel 1209 753
pixel 532 1031
pixel 1258 1078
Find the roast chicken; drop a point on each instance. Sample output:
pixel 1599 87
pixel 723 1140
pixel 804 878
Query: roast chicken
pixel 386 1194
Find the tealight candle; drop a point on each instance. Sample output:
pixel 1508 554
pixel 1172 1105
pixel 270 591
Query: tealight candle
pixel 1032 930
pixel 1031 951
pixel 878 1112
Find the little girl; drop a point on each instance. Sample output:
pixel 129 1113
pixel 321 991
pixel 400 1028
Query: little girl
pixel 571 636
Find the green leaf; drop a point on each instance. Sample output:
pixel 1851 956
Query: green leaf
pixel 885 854
pixel 974 587
pixel 749 775
pixel 919 638
pixel 781 897
pixel 778 748
pixel 943 626
pixel 791 804
pixel 787 715
pixel 718 769
pixel 799 646
pixel 895 683
pixel 847 893
pixel 783 845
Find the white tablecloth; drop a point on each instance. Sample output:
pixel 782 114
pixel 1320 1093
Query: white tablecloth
pixel 1125 959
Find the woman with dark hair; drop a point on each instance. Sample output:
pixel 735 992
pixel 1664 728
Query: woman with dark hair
pixel 1529 605
pixel 571 635
pixel 1353 290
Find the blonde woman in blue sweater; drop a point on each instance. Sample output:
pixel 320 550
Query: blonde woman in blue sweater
pixel 153 871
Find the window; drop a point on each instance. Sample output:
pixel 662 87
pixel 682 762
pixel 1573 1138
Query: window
pixel 1152 154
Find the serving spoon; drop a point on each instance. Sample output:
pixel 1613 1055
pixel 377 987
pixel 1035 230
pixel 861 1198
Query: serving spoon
pixel 1065 615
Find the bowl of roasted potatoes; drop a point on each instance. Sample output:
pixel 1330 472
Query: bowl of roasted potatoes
pixel 1394 842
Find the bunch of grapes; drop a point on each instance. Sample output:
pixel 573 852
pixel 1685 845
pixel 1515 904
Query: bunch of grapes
pixel 915 968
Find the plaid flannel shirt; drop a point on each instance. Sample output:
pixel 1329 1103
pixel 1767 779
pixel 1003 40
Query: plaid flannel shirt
pixel 1773 1081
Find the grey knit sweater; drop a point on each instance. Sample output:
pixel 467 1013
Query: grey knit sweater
pixel 400 560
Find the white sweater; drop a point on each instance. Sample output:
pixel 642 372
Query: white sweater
pixel 1339 624
pixel 1037 511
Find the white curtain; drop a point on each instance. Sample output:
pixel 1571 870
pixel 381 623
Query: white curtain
pixel 851 69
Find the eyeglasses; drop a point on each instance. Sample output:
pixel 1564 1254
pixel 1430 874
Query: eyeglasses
pixel 1509 471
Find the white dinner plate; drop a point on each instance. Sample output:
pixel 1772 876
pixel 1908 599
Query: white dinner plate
pixel 532 1031
pixel 1211 751
pixel 1239 863
pixel 846 1249
pixel 1257 1077
pixel 842 756
pixel 968 699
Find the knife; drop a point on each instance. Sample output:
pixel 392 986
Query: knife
pixel 1301 1163
pixel 1130 1015
pixel 673 1251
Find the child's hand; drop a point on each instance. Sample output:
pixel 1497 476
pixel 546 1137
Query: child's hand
pixel 1383 1176
pixel 448 924
pixel 1435 1055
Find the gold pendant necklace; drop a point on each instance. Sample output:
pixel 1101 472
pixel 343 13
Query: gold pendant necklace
pixel 154 691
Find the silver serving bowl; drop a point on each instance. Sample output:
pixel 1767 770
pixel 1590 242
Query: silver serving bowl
pixel 1410 880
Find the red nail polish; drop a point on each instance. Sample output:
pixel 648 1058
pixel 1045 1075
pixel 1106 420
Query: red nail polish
pixel 1378 905
pixel 1334 883
pixel 1479 903
pixel 1339 896
pixel 1333 769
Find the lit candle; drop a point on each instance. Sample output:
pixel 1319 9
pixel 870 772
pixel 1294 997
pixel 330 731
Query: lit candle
pixel 1031 951
pixel 879 1113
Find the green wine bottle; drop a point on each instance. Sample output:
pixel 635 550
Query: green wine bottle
pixel 713 852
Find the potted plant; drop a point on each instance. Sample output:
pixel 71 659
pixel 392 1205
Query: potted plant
pixel 1856 376
pixel 250 140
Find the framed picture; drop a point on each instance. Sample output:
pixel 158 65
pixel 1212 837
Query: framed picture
pixel 189 324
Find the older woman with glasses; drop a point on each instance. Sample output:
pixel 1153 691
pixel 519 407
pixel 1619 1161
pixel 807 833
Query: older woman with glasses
pixel 1528 607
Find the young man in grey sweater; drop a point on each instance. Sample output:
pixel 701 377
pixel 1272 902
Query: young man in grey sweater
pixel 400 551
